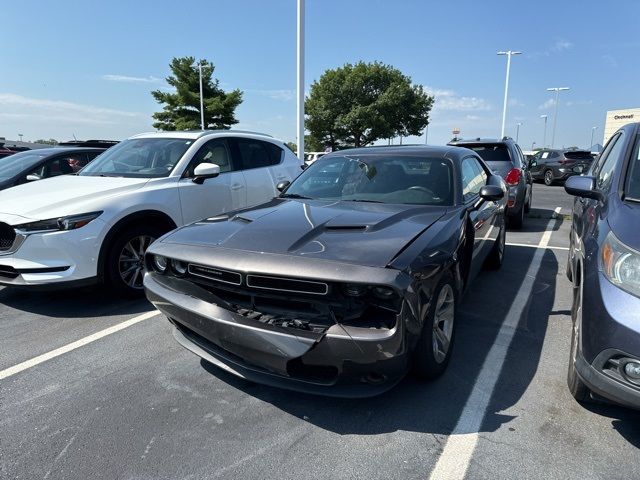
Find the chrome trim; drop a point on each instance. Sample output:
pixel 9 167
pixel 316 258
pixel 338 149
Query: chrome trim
pixel 17 243
pixel 214 279
pixel 268 277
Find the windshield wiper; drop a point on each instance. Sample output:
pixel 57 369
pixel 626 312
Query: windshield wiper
pixel 295 195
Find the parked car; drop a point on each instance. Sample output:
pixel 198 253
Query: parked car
pixel 311 157
pixel 95 226
pixel 349 277
pixel 556 165
pixel 604 266
pixel 505 157
pixel 43 163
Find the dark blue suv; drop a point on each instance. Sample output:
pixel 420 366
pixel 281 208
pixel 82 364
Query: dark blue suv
pixel 604 266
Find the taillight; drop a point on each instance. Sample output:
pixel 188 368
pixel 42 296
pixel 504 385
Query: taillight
pixel 513 177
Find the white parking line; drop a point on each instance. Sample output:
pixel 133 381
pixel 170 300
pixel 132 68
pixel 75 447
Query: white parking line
pixel 77 344
pixel 551 247
pixel 458 451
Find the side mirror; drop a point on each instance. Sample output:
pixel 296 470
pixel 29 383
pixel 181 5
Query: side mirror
pixel 282 186
pixel 204 171
pixel 491 193
pixel 32 177
pixel 582 186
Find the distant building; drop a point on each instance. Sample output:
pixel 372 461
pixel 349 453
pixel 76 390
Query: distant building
pixel 618 118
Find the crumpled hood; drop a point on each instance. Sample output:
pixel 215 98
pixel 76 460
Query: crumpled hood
pixel 360 233
pixel 60 196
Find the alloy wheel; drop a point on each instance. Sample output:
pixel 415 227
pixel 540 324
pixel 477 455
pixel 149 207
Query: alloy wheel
pixel 131 260
pixel 548 177
pixel 443 323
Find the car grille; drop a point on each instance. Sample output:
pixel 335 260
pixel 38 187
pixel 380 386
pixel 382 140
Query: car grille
pixel 7 236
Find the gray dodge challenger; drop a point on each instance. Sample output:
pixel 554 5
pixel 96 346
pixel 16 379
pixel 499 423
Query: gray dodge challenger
pixel 346 281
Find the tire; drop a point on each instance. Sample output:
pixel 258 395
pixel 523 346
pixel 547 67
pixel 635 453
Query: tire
pixel 568 270
pixel 496 256
pixel 124 264
pixel 517 220
pixel 548 178
pixel 577 387
pixel 527 205
pixel 432 354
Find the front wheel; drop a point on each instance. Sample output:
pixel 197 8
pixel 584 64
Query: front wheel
pixel 125 260
pixel 433 351
pixel 577 387
pixel 496 256
pixel 548 178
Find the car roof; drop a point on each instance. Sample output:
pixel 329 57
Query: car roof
pixel 477 141
pixel 422 150
pixel 195 134
pixel 57 150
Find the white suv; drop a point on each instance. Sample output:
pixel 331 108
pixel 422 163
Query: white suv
pixel 96 225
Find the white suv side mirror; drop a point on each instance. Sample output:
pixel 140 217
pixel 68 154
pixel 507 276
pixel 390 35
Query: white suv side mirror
pixel 204 171
pixel 32 177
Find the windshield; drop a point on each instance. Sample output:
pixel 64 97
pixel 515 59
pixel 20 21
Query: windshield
pixel 19 162
pixel 139 157
pixel 395 179
pixel 491 153
pixel 632 188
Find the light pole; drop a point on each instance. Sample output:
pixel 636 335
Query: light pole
pixel 426 135
pixel 518 130
pixel 593 130
pixel 300 79
pixel 533 144
pixel 555 115
pixel 508 53
pixel 544 137
pixel 201 98
pixel 20 135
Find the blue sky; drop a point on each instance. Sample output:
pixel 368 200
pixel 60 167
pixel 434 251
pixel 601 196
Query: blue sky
pixel 86 68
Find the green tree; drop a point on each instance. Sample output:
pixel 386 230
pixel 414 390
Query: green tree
pixel 355 105
pixel 181 109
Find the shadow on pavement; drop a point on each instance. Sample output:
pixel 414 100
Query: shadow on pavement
pixel 434 407
pixel 85 302
pixel 537 220
pixel 625 421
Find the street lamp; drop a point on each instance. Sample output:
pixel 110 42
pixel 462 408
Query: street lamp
pixel 593 130
pixel 300 79
pixel 508 53
pixel 20 135
pixel 518 130
pixel 201 98
pixel 544 137
pixel 555 115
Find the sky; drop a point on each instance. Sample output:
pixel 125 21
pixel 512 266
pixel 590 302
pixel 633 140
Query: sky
pixel 86 68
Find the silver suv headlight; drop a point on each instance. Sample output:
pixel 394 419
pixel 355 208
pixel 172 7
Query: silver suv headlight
pixel 620 264
pixel 71 222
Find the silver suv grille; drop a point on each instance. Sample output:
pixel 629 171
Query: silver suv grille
pixel 7 236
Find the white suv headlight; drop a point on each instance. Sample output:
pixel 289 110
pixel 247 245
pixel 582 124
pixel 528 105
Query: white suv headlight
pixel 55 224
pixel 620 264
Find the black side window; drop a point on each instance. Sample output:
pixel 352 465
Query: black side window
pixel 473 178
pixel 257 154
pixel 608 163
pixel 519 160
pixel 54 167
pixel 214 151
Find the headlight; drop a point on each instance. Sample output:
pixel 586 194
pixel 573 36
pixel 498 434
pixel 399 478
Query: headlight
pixel 179 267
pixel 159 263
pixel 621 264
pixel 71 222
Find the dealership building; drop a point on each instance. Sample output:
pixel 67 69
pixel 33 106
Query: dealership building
pixel 618 118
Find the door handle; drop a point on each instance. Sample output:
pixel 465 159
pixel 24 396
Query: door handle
pixel 237 186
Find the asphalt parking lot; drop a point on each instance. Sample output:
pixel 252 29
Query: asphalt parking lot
pixel 93 387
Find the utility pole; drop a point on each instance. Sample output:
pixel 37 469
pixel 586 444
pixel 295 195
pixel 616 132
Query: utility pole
pixel 201 98
pixel 593 130
pixel 518 131
pixel 300 79
pixel 544 137
pixel 508 53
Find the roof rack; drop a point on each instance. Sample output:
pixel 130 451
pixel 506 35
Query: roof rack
pixel 231 130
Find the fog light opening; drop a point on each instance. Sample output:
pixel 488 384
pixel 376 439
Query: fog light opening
pixel 632 370
pixel 374 378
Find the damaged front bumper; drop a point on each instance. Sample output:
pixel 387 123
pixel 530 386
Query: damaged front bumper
pixel 343 360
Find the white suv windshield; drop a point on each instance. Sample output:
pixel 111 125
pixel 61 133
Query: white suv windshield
pixel 139 157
